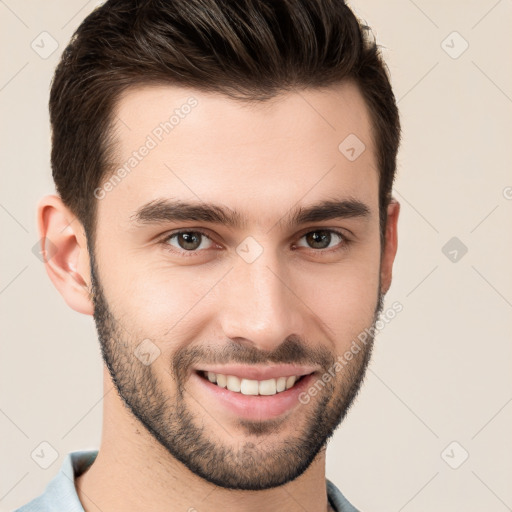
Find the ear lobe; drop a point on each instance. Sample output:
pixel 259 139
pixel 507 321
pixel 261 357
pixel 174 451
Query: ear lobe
pixel 391 244
pixel 65 253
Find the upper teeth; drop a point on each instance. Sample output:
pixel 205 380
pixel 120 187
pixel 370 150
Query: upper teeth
pixel 252 387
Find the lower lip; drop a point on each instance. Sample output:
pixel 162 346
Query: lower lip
pixel 255 407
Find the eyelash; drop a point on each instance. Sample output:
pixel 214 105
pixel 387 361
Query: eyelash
pixel 343 245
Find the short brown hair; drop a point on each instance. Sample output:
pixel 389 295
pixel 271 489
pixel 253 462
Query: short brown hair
pixel 245 49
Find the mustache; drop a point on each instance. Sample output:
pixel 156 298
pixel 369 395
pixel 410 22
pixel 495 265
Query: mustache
pixel 292 351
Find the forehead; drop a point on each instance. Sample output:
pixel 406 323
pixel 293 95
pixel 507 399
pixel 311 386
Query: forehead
pixel 186 144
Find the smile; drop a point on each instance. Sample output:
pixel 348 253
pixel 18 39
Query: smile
pixel 250 386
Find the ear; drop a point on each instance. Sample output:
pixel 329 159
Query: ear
pixel 390 245
pixel 65 253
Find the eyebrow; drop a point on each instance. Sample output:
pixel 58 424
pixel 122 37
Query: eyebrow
pixel 168 210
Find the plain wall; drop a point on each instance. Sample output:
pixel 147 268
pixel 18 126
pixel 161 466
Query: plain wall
pixel 441 371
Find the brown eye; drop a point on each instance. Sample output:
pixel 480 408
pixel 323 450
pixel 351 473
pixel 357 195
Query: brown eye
pixel 322 238
pixel 187 240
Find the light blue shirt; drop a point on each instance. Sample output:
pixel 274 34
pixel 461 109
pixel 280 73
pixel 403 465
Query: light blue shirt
pixel 60 494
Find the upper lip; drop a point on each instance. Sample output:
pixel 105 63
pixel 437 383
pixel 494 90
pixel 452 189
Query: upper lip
pixel 258 373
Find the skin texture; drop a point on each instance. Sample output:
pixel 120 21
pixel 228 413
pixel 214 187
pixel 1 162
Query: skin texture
pixel 164 442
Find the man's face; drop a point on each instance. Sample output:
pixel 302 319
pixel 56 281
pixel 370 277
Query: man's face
pixel 264 293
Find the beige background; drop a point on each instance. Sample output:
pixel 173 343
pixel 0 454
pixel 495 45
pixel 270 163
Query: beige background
pixel 442 368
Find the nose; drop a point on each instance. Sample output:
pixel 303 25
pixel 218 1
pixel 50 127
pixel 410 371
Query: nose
pixel 258 305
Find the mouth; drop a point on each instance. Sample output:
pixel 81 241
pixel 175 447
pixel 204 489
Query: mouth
pixel 265 387
pixel 251 399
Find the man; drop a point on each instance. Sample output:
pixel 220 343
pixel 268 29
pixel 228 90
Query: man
pixel 224 172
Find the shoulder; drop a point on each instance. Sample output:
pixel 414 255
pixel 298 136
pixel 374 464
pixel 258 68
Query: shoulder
pixel 60 493
pixel 338 501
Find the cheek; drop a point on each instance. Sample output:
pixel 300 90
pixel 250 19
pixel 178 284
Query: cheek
pixel 162 303
pixel 344 296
